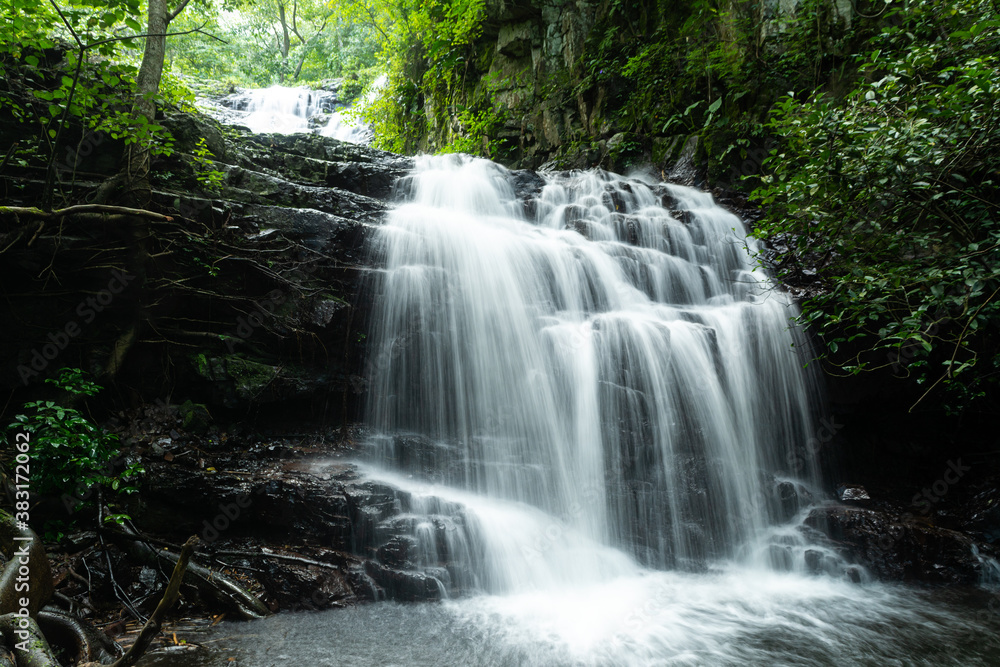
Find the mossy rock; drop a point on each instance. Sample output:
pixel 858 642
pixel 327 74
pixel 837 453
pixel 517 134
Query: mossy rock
pixel 195 417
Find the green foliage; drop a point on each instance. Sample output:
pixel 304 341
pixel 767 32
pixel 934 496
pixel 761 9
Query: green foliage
pixel 245 45
pixel 892 190
pixel 75 63
pixel 204 169
pixel 427 45
pixel 68 451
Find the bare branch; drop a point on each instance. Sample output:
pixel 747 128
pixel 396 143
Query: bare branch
pixel 32 212
pixel 67 24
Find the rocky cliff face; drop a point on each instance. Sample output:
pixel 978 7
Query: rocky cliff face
pixel 252 292
pixel 540 66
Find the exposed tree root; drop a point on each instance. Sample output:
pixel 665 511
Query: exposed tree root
pixel 25 550
pixel 25 638
pixel 78 636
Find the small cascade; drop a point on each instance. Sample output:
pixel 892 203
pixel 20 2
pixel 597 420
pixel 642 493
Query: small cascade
pixel 604 357
pixel 282 110
pixel 285 110
pixel 989 577
pixel 345 125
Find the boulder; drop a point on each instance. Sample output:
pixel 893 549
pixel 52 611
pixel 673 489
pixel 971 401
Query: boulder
pixel 902 547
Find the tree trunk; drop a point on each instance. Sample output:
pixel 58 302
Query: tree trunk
pixel 286 41
pixel 137 158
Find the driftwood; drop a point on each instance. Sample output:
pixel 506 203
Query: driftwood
pixel 39 214
pixel 152 626
pixel 212 585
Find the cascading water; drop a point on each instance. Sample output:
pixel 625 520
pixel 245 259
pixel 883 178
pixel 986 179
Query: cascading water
pixel 284 110
pixel 281 110
pixel 344 123
pixel 587 403
pixel 600 359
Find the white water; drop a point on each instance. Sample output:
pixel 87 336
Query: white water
pixel 601 361
pixel 345 124
pixel 281 110
pixel 586 431
pixel 285 110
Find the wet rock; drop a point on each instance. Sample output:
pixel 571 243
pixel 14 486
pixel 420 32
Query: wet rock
pixel 396 552
pixel 788 501
pixel 306 587
pixel 900 547
pixel 852 493
pixel 404 585
pixel 813 561
pixel 147 587
pixel 289 506
pixel 687 170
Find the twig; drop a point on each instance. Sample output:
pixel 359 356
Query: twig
pixel 289 558
pixel 70 601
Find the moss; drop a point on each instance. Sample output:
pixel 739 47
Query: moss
pixel 195 416
pixel 250 377
pixel 201 365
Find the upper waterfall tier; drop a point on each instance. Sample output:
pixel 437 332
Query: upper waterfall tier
pixel 608 353
pixel 285 110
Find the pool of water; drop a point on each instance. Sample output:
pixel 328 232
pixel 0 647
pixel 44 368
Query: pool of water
pixel 727 617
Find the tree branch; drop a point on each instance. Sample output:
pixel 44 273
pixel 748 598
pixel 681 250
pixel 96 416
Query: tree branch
pixel 152 626
pixel 165 34
pixel 67 24
pixel 32 212
pixel 180 8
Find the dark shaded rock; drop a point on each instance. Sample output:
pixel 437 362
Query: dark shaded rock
pixel 194 417
pixel 396 552
pixel 813 561
pixel 404 585
pixel 306 587
pixel 901 548
pixel 788 501
pixel 277 500
pixel 687 170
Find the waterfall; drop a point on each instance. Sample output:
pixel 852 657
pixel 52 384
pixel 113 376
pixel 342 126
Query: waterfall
pixel 599 374
pixel 345 125
pixel 281 110
pixel 284 110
